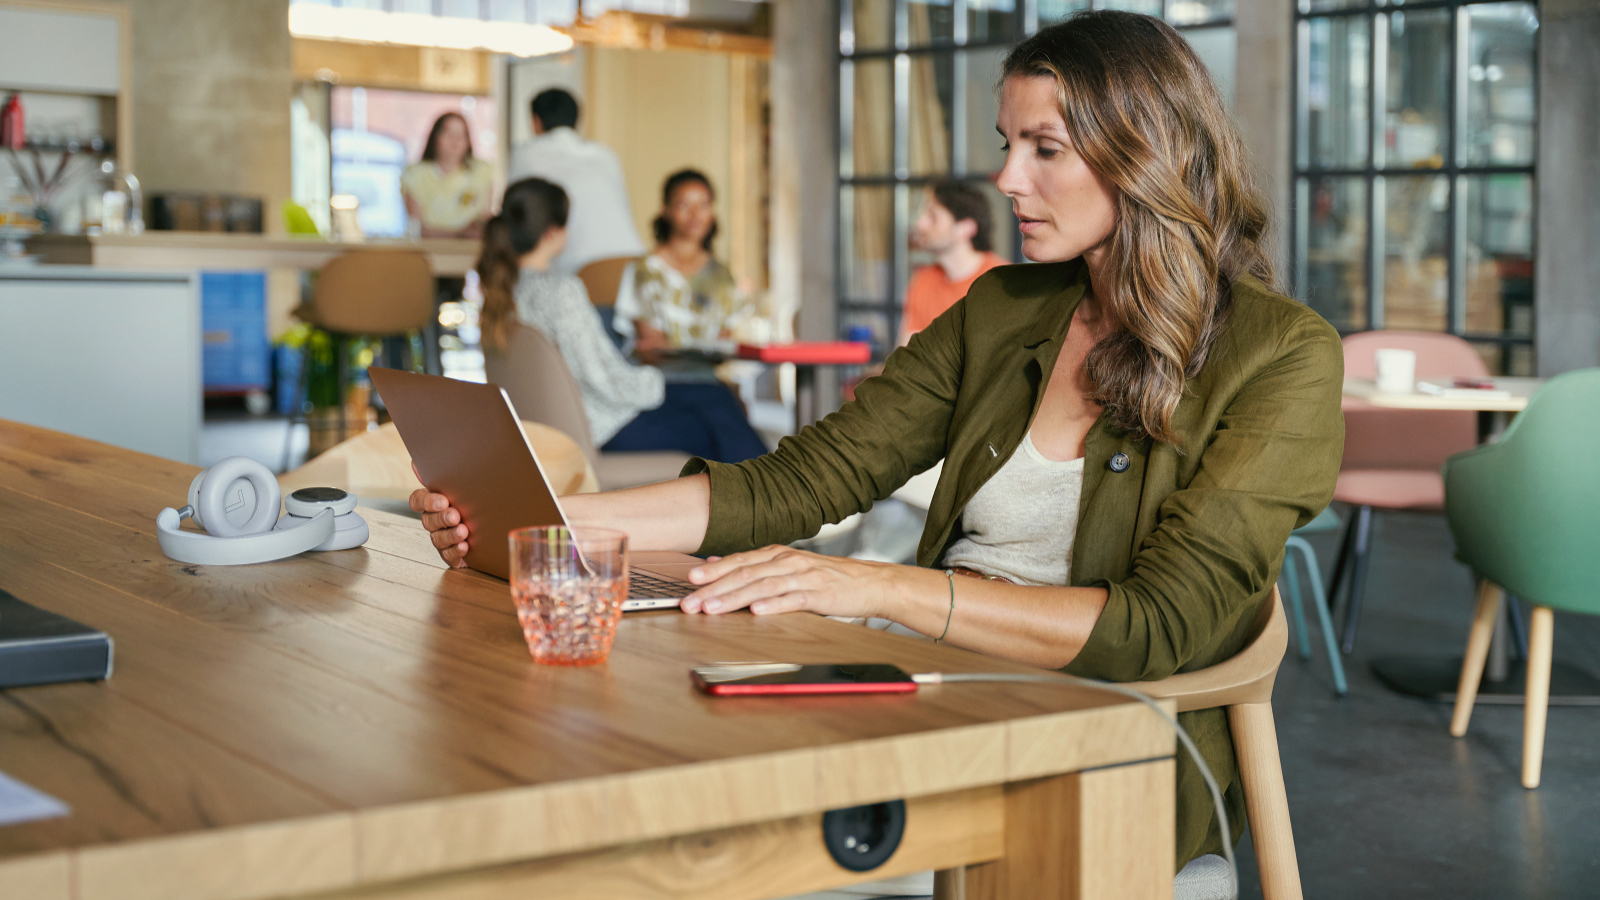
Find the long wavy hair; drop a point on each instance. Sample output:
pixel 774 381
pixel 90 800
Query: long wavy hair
pixel 531 207
pixel 1144 114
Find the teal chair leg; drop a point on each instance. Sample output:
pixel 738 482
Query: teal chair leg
pixel 1297 610
pixel 1314 573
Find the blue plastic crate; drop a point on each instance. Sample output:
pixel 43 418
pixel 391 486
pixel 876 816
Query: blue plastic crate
pixel 235 355
pixel 288 397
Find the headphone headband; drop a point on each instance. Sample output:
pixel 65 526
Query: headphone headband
pixel 208 550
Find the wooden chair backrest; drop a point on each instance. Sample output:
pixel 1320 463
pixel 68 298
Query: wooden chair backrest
pixel 540 385
pixel 1246 677
pixel 603 278
pixel 376 292
pixel 374 465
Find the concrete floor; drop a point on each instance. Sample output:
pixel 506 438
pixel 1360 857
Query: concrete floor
pixel 1385 803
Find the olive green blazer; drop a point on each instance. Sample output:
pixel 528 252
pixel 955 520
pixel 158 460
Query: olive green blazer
pixel 1187 540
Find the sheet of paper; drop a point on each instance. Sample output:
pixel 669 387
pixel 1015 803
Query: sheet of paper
pixel 20 803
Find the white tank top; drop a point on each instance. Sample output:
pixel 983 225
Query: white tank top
pixel 1021 523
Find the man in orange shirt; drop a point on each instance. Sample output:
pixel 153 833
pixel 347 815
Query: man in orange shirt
pixel 954 226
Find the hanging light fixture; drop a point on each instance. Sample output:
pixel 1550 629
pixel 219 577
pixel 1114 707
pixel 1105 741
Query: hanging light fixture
pixel 336 23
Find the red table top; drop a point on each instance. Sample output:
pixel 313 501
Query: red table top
pixel 810 352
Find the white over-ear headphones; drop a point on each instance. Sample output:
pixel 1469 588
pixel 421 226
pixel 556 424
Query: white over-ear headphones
pixel 236 501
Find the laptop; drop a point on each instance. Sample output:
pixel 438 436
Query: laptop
pixel 467 443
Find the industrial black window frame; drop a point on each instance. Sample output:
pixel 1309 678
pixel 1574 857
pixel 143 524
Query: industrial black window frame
pixel 1026 22
pixel 1371 11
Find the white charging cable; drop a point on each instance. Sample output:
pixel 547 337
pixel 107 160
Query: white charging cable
pixel 1124 690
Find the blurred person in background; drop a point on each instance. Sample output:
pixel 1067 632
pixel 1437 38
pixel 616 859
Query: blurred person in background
pixel 955 226
pixel 630 407
pixel 679 296
pixel 601 222
pixel 448 192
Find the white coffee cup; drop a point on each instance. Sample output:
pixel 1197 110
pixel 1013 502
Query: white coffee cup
pixel 1397 371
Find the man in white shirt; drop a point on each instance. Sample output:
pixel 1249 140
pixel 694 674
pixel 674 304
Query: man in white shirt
pixel 600 225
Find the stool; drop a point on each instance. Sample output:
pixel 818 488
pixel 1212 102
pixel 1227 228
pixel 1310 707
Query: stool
pixel 364 293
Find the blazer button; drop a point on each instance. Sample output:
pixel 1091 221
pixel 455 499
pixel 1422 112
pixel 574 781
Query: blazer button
pixel 1119 462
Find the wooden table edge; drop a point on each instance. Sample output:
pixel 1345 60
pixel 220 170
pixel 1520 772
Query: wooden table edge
pixel 336 852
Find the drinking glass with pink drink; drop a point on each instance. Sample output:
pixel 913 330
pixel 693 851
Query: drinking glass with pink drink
pixel 568 589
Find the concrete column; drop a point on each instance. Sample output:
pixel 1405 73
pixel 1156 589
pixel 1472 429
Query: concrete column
pixel 212 84
pixel 1263 90
pixel 1567 271
pixel 805 169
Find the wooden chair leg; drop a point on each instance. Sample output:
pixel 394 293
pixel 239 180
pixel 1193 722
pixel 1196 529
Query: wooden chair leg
pixel 1255 743
pixel 1541 633
pixel 1489 598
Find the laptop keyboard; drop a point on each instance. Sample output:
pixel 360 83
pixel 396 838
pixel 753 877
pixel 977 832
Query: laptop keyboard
pixel 644 586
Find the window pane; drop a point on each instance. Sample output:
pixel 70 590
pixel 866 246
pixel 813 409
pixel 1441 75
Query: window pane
pixel 1333 248
pixel 1215 47
pixel 932 95
pixel 872 117
pixel 991 20
pixel 931 22
pixel 1148 7
pixel 873 23
pixel 1320 5
pixel 1416 278
pixel 1501 102
pixel 1336 91
pixel 1198 12
pixel 1053 11
pixel 982 108
pixel 1518 361
pixel 1515 360
pixel 1417 129
pixel 1499 253
pixel 866 227
pixel 1003 230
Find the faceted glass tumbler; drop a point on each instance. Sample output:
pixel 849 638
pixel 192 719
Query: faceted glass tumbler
pixel 568 589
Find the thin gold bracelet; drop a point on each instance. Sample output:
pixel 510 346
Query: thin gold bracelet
pixel 951 577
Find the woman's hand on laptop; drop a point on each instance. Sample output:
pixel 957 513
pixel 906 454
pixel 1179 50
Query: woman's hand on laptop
pixel 443 522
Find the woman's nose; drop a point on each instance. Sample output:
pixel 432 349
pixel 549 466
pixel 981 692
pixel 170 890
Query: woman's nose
pixel 1011 181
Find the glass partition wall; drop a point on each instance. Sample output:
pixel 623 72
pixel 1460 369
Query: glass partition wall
pixel 1414 164
pixel 917 103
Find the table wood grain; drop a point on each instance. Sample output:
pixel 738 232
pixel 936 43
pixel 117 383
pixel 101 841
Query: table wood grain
pixel 347 722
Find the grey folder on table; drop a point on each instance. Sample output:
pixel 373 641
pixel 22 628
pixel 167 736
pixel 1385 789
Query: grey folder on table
pixel 40 647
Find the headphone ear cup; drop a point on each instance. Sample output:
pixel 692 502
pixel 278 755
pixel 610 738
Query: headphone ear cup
pixel 237 496
pixel 194 496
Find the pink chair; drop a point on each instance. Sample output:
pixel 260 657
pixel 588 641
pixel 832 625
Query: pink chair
pixel 1392 457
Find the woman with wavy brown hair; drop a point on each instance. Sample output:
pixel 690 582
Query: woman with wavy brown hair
pixel 1130 428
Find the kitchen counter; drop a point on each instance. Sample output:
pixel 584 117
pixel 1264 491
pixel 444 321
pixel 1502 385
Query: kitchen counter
pixel 110 355
pixel 219 251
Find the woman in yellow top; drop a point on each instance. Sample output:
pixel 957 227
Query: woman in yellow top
pixel 448 192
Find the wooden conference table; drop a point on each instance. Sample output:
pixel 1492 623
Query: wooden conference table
pixel 367 723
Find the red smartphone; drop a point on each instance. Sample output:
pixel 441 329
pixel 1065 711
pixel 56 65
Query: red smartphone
pixel 758 679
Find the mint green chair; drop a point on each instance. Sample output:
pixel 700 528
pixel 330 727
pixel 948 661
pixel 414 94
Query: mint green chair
pixel 1327 520
pixel 1525 513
